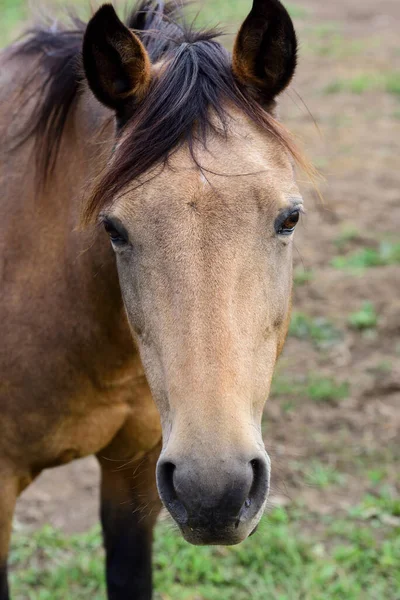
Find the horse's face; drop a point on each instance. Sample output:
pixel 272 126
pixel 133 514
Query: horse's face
pixel 205 271
pixel 204 259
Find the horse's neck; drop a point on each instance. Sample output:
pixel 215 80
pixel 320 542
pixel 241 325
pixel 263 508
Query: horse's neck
pixel 69 273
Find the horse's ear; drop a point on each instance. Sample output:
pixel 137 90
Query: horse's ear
pixel 264 55
pixel 115 61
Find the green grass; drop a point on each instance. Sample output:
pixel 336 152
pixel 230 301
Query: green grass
pixel 319 330
pixel 210 12
pixel 393 83
pixel 379 506
pixel 366 82
pixel 12 12
pixel 326 389
pixel 322 476
pixel 365 318
pixel 327 41
pixel 284 560
pixel 347 234
pixel 387 254
pixel 317 388
pixel 302 276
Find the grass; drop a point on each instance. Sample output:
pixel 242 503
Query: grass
pixel 302 276
pixel 365 318
pixel 326 389
pixel 322 476
pixel 379 506
pixel 295 555
pixel 319 329
pixel 284 560
pixel 366 82
pixel 388 253
pixel 317 388
pixel 12 12
pixel 347 234
pixel 212 12
pixel 327 41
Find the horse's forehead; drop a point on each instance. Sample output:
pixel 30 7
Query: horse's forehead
pixel 244 162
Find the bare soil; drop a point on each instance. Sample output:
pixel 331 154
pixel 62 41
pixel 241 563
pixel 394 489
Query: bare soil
pixel 357 150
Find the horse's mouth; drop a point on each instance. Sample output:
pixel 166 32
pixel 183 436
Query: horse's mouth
pixel 254 530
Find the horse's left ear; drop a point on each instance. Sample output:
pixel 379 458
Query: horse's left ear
pixel 264 55
pixel 115 61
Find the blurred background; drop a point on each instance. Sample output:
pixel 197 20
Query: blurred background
pixel 332 423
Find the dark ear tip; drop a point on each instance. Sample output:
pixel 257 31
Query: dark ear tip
pixel 105 8
pixel 106 15
pixel 270 9
pixel 104 21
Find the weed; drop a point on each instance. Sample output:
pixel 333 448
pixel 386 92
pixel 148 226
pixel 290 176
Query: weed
pixel 302 276
pixel 321 475
pixel 348 234
pixel 278 562
pixel 320 330
pixel 365 318
pixel 282 386
pixel 381 505
pixel 326 389
pixel 366 82
pixel 387 254
pixel 393 83
pixel 376 476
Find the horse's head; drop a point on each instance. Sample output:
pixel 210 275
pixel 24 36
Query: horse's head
pixel 203 245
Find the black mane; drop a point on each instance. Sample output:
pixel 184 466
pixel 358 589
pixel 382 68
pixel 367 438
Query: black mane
pixel 198 82
pixel 160 26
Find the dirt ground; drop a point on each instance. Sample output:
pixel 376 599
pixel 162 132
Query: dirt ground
pixel 357 150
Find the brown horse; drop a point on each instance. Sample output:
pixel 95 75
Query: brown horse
pixel 176 150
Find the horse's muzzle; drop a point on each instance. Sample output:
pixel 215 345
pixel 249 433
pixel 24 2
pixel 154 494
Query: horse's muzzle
pixel 215 503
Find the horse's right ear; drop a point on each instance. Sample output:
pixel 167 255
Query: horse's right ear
pixel 115 61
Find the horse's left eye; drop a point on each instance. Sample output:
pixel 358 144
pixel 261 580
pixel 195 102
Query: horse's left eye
pixel 116 232
pixel 288 225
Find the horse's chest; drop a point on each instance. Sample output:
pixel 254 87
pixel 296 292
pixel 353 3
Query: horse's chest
pixel 124 412
pixel 87 432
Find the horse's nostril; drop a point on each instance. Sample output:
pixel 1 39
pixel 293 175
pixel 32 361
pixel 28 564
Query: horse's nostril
pixel 165 480
pixel 166 488
pixel 259 487
pixel 258 490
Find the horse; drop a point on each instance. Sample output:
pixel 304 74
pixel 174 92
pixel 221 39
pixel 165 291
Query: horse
pixel 148 203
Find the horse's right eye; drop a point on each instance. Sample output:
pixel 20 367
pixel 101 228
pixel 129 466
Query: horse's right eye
pixel 117 233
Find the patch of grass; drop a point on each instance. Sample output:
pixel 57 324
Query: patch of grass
pixel 382 505
pixel 365 318
pixel 321 475
pixel 366 82
pixel 326 389
pixel 383 366
pixel 393 83
pixel 319 330
pixel 51 566
pixel 278 562
pixel 348 234
pixel 302 276
pixel 357 85
pixel 387 254
pixel 12 13
pixel 333 44
pixel 296 11
pixel 282 386
pixel 319 389
pixel 376 476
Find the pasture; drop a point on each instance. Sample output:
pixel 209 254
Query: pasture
pixel 332 422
